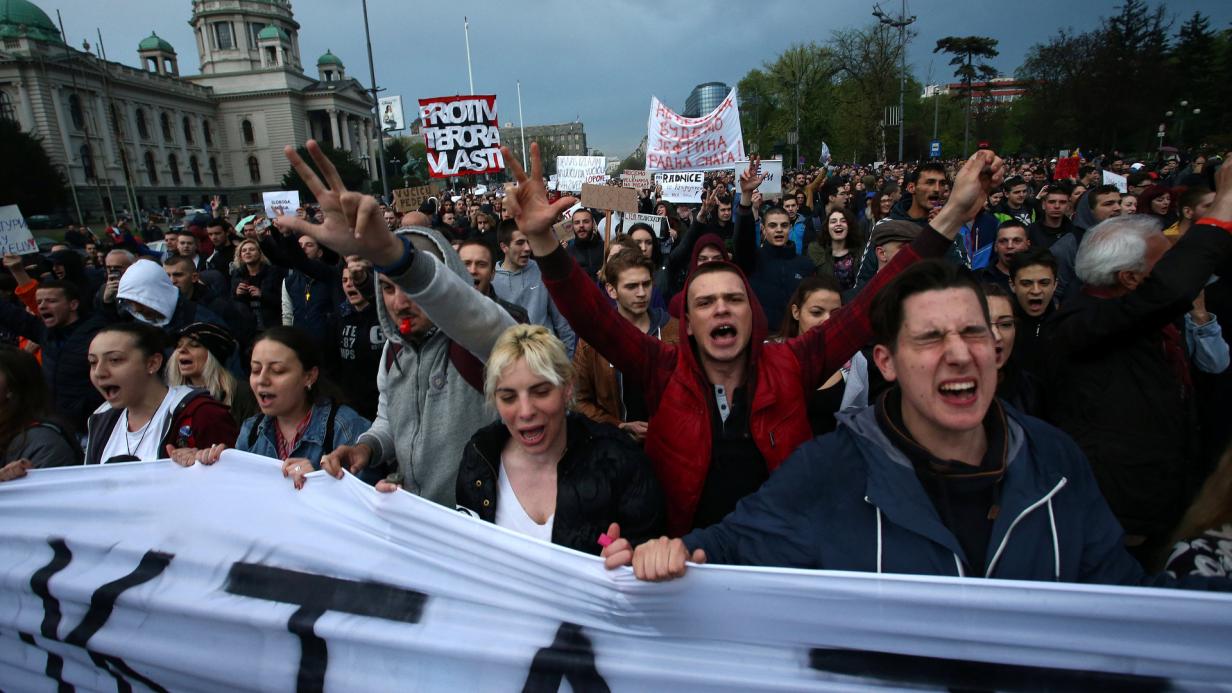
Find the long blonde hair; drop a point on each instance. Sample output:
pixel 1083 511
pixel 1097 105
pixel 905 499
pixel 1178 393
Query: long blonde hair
pixel 545 355
pixel 218 380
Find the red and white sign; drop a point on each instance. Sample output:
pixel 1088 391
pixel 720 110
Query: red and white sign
pixel 462 134
pixel 676 143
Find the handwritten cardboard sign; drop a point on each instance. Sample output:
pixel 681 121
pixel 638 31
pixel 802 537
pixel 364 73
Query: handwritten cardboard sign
pixel 409 199
pixel 609 197
pixel 772 187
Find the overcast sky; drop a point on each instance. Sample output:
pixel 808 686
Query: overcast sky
pixel 597 61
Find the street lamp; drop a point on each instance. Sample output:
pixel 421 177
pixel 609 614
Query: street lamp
pixel 901 22
pixel 1180 114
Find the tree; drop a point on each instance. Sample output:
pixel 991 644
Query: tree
pixel 967 55
pixel 354 176
pixel 868 62
pixel 1195 61
pixel 779 97
pixel 35 185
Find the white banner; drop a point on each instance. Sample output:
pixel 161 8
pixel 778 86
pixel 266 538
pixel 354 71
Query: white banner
pixel 772 187
pixel 676 143
pixel 226 578
pixel 1121 182
pixel 573 171
pixel 684 187
pixel 623 222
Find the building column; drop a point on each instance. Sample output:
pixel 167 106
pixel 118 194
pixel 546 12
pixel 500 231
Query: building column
pixel 346 131
pixel 333 125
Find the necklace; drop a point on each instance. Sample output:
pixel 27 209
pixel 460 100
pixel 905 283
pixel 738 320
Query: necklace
pixel 145 429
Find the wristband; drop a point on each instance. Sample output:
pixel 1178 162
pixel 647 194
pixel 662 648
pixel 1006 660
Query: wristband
pixel 1212 221
pixel 403 264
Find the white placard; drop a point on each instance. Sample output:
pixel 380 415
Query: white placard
pixel 280 202
pixel 772 187
pixel 574 171
pixel 150 573
pixel 392 116
pixel 622 222
pixel 683 187
pixel 676 143
pixel 15 235
pixel 1118 180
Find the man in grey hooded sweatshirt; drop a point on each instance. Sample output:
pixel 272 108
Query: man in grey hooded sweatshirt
pixel 430 376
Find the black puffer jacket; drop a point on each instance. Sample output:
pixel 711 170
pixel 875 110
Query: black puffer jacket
pixel 604 477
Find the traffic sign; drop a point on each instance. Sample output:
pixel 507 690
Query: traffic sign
pixel 934 149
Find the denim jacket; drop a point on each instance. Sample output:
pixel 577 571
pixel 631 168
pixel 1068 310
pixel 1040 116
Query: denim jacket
pixel 347 426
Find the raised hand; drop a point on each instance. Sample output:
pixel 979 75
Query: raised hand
pixel 353 223
pixel 980 175
pixel 750 180
pixel 528 202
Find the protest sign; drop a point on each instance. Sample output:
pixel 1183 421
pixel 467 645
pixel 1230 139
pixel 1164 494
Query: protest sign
pixel 609 197
pixel 1067 167
pixel 15 235
pixel 681 187
pixel 1121 182
pixel 392 116
pixel 145 576
pixel 632 178
pixel 409 199
pixel 572 172
pixel 622 222
pixel 280 203
pixel 462 135
pixel 676 143
pixel 480 190
pixel 564 230
pixel 772 187
pixel 553 182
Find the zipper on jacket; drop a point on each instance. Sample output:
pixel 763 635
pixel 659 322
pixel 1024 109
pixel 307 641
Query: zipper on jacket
pixel 1005 539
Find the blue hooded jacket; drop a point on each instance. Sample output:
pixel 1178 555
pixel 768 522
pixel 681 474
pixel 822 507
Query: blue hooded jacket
pixel 850 500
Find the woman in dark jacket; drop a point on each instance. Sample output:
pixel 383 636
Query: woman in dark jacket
pixel 27 430
pixel 257 285
pixel 542 472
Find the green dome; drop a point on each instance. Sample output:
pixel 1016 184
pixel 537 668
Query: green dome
pixel 272 32
pixel 329 59
pixel 22 18
pixel 154 43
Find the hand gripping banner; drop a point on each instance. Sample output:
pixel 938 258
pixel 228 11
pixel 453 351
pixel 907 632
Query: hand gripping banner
pixel 153 577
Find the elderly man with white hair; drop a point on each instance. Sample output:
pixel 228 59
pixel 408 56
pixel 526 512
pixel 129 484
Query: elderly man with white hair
pixel 1120 381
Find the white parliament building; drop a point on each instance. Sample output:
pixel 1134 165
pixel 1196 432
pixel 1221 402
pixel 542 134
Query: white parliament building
pixel 154 138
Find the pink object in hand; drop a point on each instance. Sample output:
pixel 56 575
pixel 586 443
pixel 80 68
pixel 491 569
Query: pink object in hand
pixel 605 540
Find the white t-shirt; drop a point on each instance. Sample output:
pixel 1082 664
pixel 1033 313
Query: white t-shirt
pixel 511 515
pixel 144 443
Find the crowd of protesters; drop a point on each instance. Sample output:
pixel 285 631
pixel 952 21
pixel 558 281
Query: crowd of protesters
pixel 973 368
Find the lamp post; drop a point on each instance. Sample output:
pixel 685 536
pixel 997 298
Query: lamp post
pixel 901 22
pixel 376 109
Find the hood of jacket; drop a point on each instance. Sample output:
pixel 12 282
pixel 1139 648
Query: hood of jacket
pixel 863 424
pixel 450 259
pixel 1084 218
pixel 709 240
pixel 74 267
pixel 902 211
pixel 760 329
pixel 146 283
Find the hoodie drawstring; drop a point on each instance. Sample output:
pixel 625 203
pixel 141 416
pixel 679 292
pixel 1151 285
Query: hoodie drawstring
pixel 1056 544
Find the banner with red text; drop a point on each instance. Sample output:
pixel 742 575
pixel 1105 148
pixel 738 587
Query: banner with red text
pixel 462 134
pixel 677 143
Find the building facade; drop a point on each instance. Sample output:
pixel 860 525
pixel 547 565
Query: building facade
pixel 997 91
pixel 570 138
pixel 705 98
pixel 151 138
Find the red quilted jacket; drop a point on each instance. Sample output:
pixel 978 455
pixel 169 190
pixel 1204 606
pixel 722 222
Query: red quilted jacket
pixel 679 396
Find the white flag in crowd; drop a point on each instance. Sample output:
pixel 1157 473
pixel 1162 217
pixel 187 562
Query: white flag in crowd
pixel 226 578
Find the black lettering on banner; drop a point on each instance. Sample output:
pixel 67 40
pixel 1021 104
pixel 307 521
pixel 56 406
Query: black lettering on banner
pixel 571 657
pixel 959 674
pixel 102 604
pixel 316 594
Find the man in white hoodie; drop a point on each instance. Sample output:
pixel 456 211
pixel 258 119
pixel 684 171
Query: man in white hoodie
pixel 147 294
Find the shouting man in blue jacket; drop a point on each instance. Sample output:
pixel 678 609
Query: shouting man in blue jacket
pixel 937 478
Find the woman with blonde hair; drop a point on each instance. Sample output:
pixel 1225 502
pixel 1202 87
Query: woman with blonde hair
pixel 201 350
pixel 547 473
pixel 256 284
